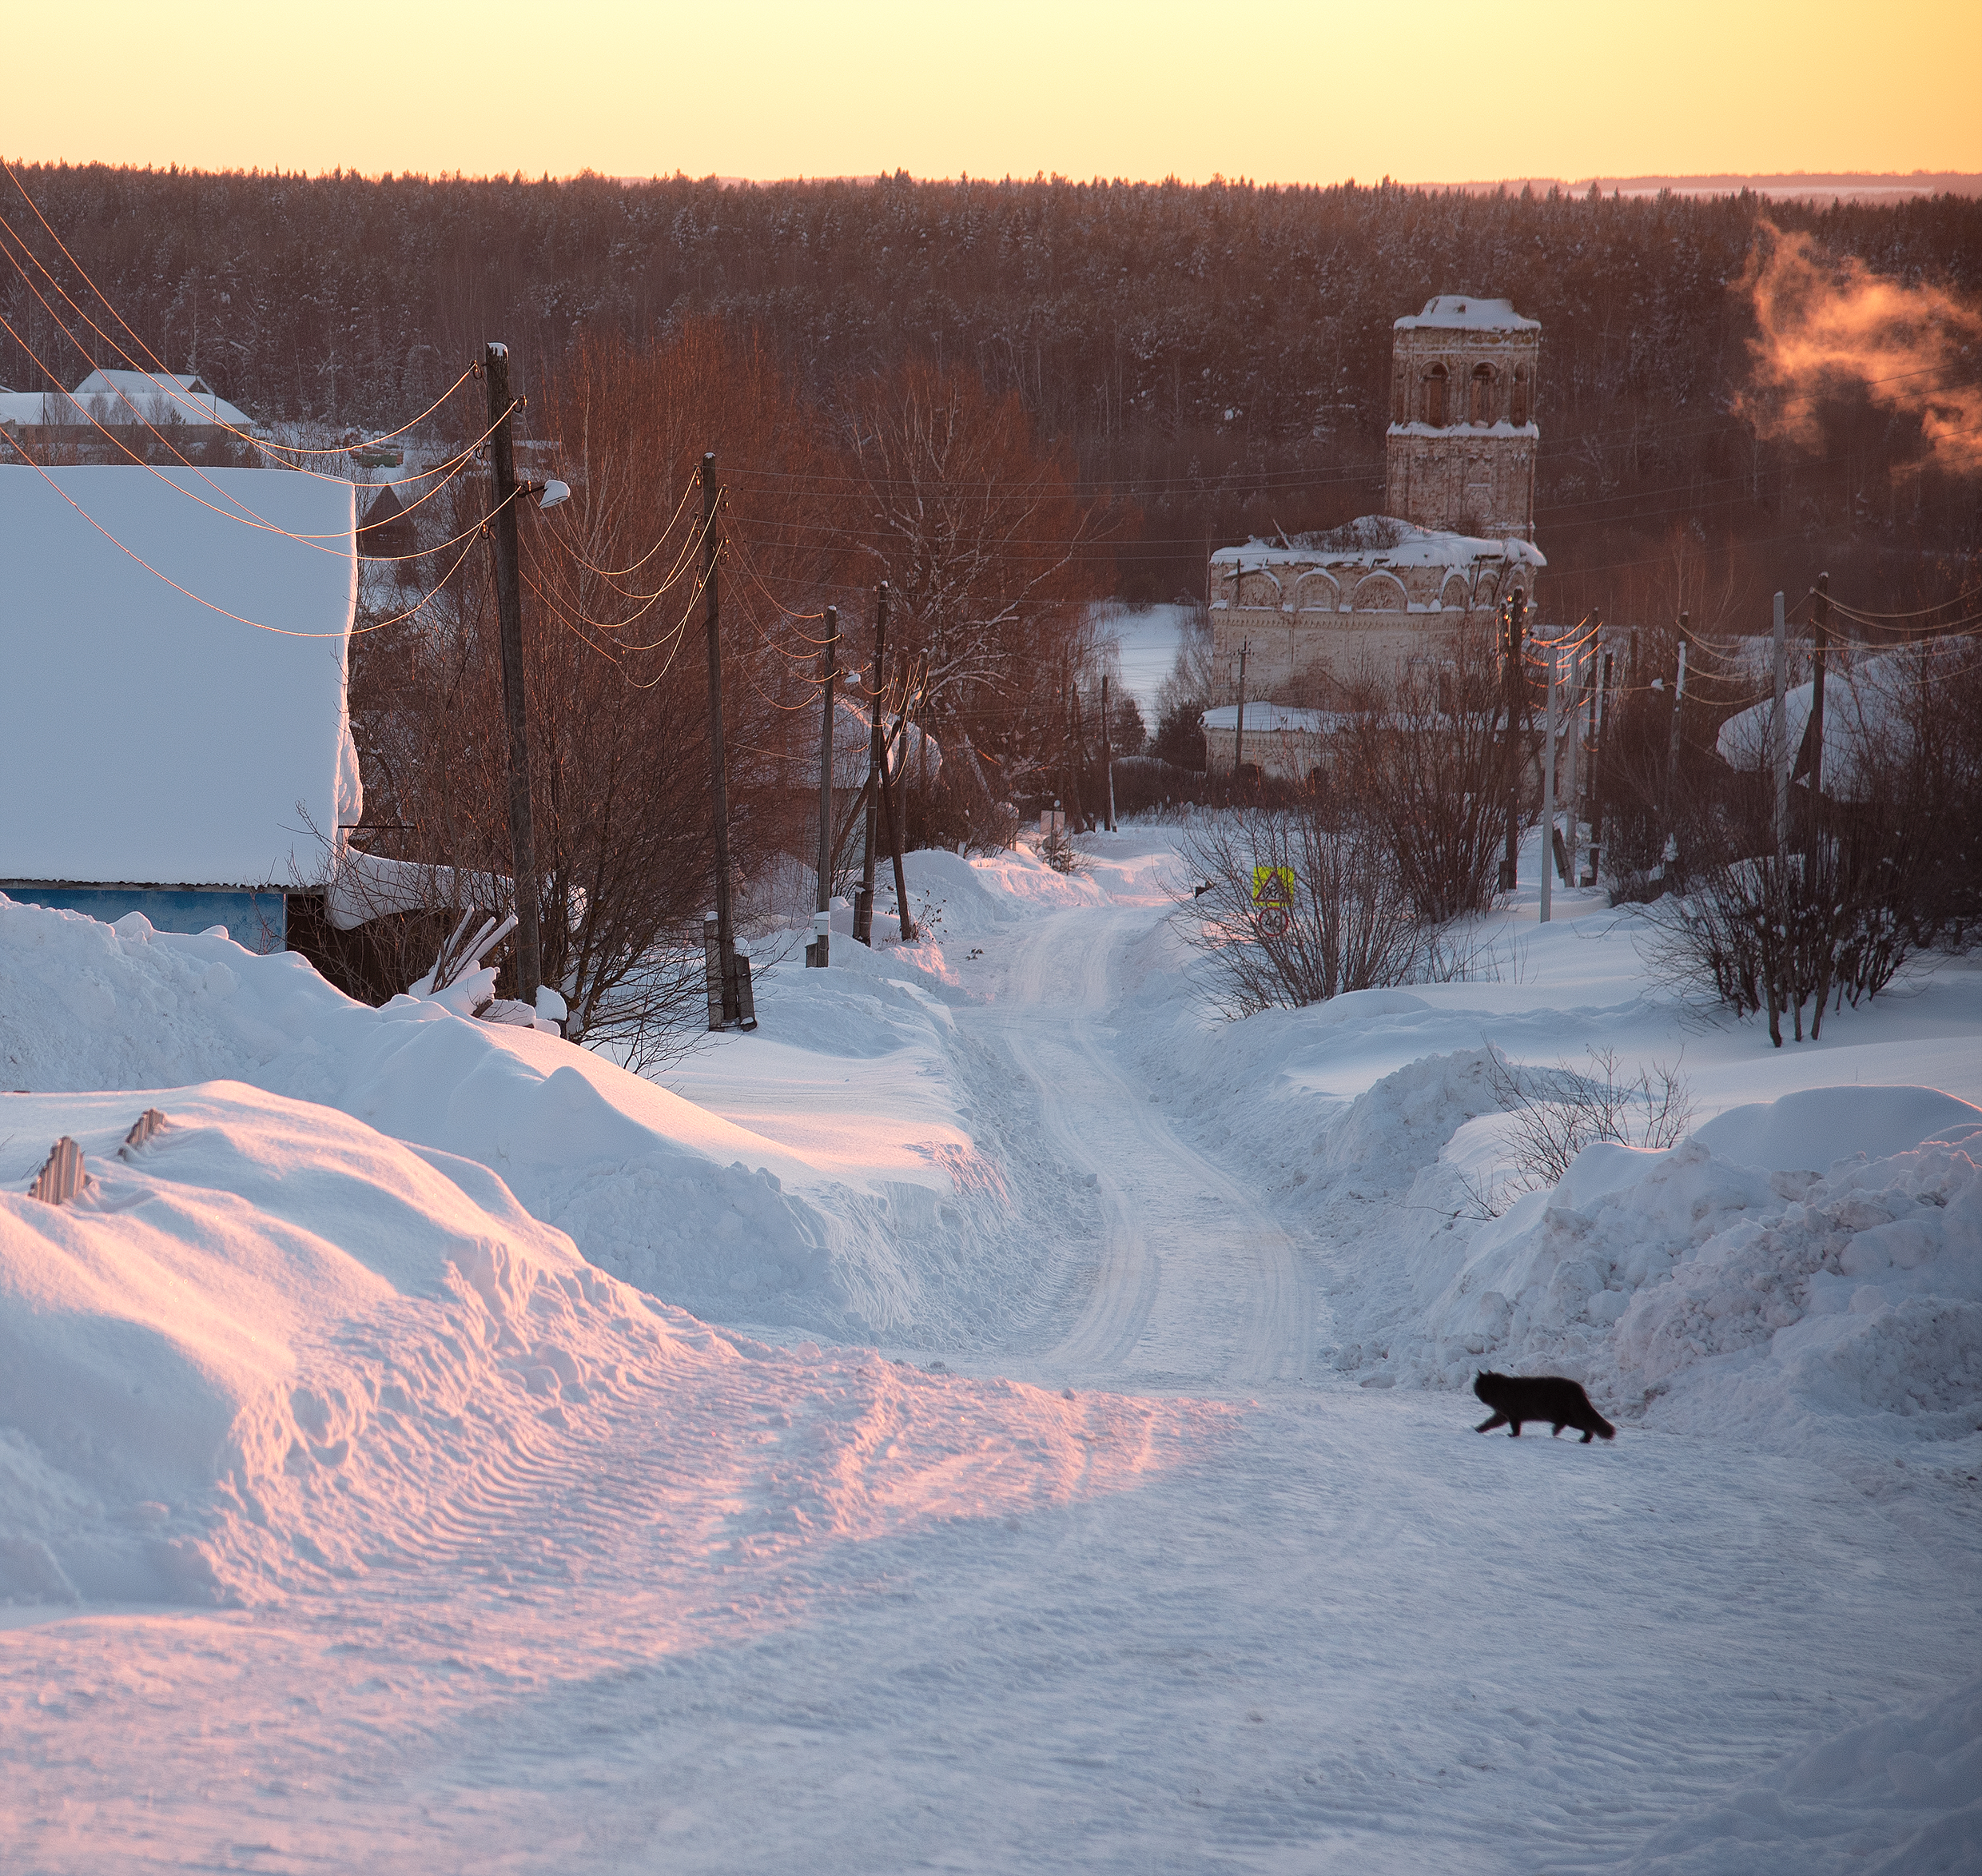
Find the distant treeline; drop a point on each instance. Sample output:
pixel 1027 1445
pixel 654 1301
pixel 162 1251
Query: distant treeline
pixel 1218 355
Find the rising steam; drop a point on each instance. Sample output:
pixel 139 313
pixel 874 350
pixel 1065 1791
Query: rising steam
pixel 1825 324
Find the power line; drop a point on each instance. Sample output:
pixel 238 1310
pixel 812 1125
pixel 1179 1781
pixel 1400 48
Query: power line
pixel 296 449
pixel 279 632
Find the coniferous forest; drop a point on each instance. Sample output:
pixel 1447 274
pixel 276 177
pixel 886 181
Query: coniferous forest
pixel 1215 358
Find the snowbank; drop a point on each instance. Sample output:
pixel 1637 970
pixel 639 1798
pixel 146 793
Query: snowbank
pixel 1697 1292
pixel 658 1190
pixel 1896 1796
pixel 272 1349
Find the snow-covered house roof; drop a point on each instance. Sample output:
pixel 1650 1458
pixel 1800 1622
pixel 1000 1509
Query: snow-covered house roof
pixel 125 397
pixel 1463 312
pixel 1870 708
pixel 145 736
pixel 1272 719
pixel 1378 541
pixel 851 735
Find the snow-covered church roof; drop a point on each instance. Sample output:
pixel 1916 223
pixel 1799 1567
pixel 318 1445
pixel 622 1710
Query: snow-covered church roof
pixel 147 736
pixel 1378 541
pixel 1463 312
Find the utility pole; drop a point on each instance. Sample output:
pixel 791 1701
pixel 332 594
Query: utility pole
pixel 1548 794
pixel 1239 735
pixel 522 842
pixel 1820 637
pixel 1517 618
pixel 1076 802
pixel 732 1008
pixel 1601 707
pixel 876 758
pixel 1573 699
pixel 1592 671
pixel 1779 729
pixel 894 802
pixel 829 673
pixel 1672 749
pixel 1108 755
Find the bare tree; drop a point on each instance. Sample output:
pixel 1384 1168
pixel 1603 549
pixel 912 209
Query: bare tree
pixel 1429 766
pixel 616 682
pixel 990 552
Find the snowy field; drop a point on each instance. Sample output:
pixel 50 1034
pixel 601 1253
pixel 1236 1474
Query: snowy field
pixel 993 1418
pixel 1146 639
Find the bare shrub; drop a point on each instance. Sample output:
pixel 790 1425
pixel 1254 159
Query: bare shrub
pixel 1430 772
pixel 1348 926
pixel 1780 932
pixel 1559 1112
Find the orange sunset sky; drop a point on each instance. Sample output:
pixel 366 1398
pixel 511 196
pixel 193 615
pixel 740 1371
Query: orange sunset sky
pixel 1290 93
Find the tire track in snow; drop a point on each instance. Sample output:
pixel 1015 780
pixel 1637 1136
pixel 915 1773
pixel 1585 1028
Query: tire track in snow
pixel 1192 1279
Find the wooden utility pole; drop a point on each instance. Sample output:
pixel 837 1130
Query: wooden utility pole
pixel 1239 731
pixel 1572 754
pixel 1672 746
pixel 1548 793
pixel 1516 620
pixel 829 674
pixel 877 759
pixel 1107 755
pixel 1601 706
pixel 719 784
pixel 1592 670
pixel 1819 642
pixel 894 802
pixel 1779 728
pixel 523 842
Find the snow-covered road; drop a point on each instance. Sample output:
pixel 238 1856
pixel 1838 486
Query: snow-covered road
pixel 1189 1282
pixel 766 1610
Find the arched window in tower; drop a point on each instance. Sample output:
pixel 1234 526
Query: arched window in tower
pixel 1435 398
pixel 1482 405
pixel 1521 389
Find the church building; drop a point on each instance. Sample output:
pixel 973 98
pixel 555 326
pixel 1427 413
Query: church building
pixel 1316 617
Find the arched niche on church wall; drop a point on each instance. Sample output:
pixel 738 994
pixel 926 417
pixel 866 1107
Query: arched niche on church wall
pixel 1452 597
pixel 1260 589
pixel 1318 592
pixel 1482 395
pixel 1380 592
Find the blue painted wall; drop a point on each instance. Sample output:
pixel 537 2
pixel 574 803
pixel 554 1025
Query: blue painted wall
pixel 257 920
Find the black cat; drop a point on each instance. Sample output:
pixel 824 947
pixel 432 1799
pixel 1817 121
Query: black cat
pixel 1554 1398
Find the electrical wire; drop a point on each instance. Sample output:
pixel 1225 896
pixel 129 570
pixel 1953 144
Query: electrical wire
pixel 652 600
pixel 697 533
pixel 238 511
pixel 104 299
pixel 241 618
pixel 667 528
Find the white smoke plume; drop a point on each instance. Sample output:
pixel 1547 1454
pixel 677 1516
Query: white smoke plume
pixel 1825 322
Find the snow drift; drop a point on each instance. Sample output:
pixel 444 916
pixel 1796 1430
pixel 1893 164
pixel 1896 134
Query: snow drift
pixel 1702 1292
pixel 658 1190
pixel 273 1348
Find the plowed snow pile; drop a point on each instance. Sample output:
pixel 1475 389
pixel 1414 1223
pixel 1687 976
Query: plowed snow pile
pixel 272 1349
pixel 656 1190
pixel 1700 1294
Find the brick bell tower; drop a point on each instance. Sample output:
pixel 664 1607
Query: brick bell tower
pixel 1460 453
